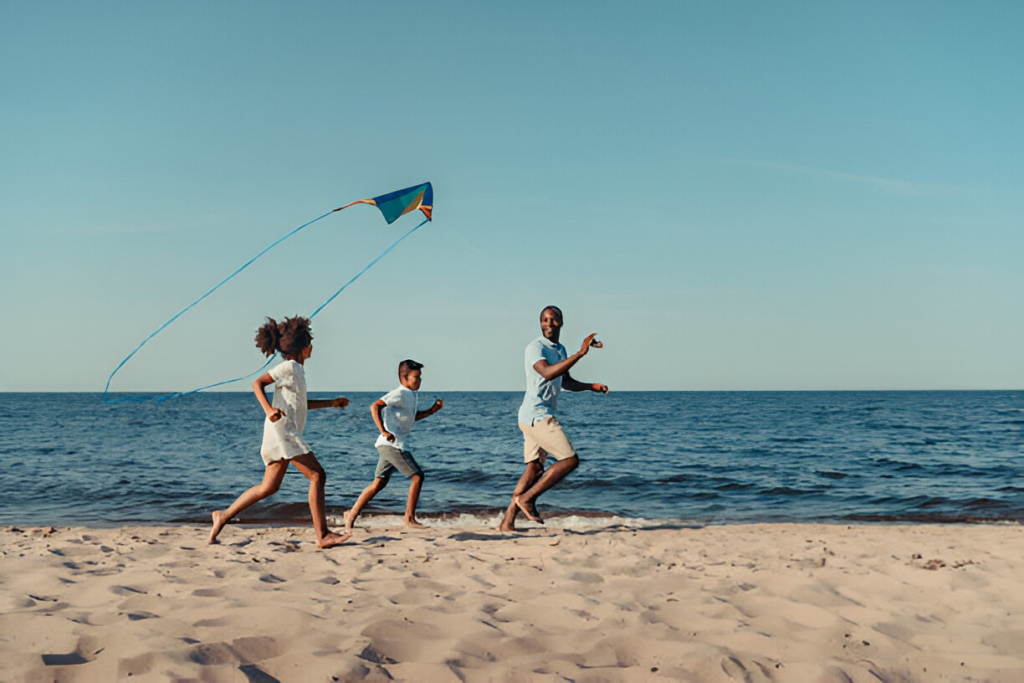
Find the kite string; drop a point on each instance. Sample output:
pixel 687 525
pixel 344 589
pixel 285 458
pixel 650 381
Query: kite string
pixel 312 315
pixel 319 308
pixel 370 265
pixel 208 293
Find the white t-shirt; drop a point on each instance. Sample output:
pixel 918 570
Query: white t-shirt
pixel 398 416
pixel 282 440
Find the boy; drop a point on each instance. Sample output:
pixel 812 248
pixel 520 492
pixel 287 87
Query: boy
pixel 395 413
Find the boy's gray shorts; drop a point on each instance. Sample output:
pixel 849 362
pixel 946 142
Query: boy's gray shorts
pixel 392 459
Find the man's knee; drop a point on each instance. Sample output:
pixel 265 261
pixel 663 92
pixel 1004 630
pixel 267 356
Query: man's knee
pixel 572 462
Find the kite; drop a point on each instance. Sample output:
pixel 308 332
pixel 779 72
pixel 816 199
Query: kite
pixel 392 206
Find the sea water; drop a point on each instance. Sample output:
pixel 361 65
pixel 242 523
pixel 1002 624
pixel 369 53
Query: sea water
pixel 645 458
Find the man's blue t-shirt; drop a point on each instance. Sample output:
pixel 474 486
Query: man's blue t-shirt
pixel 541 395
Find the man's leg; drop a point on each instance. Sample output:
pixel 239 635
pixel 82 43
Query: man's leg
pixel 530 476
pixel 310 466
pixel 272 478
pixel 554 474
pixel 365 497
pixel 415 485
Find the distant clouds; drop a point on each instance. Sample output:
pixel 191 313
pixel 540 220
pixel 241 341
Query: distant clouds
pixel 893 185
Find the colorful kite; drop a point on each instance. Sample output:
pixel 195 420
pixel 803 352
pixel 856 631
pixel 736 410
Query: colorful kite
pixel 392 206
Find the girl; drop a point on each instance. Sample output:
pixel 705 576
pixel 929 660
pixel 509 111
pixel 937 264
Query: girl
pixel 282 430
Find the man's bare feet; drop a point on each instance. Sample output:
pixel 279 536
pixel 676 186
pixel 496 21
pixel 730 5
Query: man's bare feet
pixel 506 527
pixel 414 524
pixel 331 539
pixel 217 515
pixel 528 509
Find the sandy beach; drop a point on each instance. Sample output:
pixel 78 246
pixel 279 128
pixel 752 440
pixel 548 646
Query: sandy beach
pixel 780 602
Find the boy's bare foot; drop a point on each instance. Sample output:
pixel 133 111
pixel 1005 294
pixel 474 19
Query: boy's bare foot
pixel 331 539
pixel 506 527
pixel 217 525
pixel 414 524
pixel 347 516
pixel 528 509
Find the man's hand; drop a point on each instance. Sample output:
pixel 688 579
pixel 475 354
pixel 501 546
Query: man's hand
pixel 339 402
pixel 275 414
pixel 438 404
pixel 600 388
pixel 588 342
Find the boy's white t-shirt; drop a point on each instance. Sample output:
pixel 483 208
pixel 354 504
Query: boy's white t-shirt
pixel 282 440
pixel 398 416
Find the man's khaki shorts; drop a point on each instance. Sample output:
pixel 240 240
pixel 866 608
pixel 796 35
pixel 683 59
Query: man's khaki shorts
pixel 545 437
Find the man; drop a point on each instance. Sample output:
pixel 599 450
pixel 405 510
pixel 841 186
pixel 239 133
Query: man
pixel 547 373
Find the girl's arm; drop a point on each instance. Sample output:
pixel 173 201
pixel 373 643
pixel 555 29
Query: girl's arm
pixel 258 386
pixel 438 404
pixel 317 403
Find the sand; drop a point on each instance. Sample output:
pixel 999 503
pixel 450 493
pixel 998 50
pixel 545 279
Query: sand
pixel 779 602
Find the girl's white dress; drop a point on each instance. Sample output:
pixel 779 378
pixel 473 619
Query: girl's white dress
pixel 282 440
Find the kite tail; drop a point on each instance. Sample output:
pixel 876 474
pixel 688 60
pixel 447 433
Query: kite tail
pixel 177 315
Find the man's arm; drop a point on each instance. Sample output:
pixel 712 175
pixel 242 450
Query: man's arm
pixel 317 403
pixel 550 372
pixel 438 404
pixel 569 384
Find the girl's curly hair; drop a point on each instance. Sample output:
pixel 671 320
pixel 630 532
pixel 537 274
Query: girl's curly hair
pixel 290 336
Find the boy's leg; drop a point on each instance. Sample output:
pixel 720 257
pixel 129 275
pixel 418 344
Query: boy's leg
pixel 530 476
pixel 310 466
pixel 365 497
pixel 414 495
pixel 272 478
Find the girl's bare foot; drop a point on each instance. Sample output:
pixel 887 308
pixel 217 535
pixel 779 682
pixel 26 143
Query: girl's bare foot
pixel 217 515
pixel 332 539
pixel 414 524
pixel 349 521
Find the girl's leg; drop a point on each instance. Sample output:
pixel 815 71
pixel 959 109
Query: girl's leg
pixel 272 478
pixel 375 487
pixel 310 466
pixel 414 495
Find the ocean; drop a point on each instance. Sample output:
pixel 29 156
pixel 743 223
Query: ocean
pixel 647 458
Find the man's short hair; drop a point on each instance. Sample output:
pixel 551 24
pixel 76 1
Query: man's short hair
pixel 407 366
pixel 554 309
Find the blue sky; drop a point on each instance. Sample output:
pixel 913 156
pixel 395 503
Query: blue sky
pixel 733 195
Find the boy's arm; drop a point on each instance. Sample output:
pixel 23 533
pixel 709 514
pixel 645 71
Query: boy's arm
pixel 438 404
pixel 259 387
pixel 375 410
pixel 550 372
pixel 569 384
pixel 317 403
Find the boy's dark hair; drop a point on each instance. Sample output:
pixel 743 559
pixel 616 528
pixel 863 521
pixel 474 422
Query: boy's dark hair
pixel 407 366
pixel 290 336
pixel 554 309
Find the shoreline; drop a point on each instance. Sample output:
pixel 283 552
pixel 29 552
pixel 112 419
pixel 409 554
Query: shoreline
pixel 769 602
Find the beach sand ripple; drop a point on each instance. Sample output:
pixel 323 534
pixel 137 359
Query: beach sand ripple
pixel 781 603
